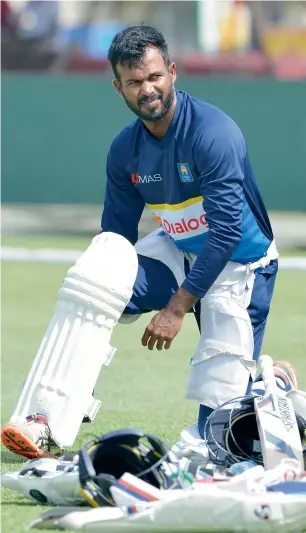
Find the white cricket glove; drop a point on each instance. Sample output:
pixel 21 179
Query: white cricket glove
pixel 47 481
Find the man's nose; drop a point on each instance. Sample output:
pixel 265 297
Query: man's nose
pixel 147 88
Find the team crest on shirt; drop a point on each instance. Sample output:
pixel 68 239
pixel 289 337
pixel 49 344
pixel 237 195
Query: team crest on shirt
pixel 184 172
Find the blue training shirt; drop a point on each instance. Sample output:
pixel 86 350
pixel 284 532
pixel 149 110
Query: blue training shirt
pixel 199 185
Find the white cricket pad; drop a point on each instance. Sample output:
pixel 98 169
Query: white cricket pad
pixel 203 508
pixel 223 362
pixel 76 345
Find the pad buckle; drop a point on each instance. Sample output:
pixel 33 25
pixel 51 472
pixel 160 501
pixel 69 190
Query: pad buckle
pixel 92 410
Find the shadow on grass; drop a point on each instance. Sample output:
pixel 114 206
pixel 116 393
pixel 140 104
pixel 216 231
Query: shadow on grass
pixel 25 503
pixel 10 458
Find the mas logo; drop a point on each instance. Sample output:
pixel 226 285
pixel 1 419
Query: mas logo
pixel 147 178
pixel 185 172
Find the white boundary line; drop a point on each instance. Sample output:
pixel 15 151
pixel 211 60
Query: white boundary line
pixel 49 255
pixel 40 255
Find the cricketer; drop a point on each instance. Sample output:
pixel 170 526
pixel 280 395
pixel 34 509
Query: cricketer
pixel 213 253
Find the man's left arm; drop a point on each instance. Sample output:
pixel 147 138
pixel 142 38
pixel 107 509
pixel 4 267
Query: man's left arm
pixel 222 190
pixel 221 179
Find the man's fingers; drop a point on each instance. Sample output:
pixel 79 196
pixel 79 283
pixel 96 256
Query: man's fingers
pixel 150 338
pixel 160 343
pixel 168 344
pixel 151 342
pixel 145 337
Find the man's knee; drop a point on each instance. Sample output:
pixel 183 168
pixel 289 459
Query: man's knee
pixel 154 286
pixel 127 318
pixel 219 378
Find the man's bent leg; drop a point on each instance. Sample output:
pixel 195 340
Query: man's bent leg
pixel 231 371
pixel 260 304
pixel 76 345
pixel 154 286
pixel 161 270
pixel 223 362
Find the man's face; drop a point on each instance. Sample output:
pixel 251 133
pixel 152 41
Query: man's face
pixel 148 88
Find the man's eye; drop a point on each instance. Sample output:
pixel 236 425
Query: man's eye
pixel 156 76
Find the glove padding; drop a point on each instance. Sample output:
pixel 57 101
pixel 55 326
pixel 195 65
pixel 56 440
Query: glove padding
pixel 47 481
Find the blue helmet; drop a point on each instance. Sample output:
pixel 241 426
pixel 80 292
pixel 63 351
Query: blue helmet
pixel 232 436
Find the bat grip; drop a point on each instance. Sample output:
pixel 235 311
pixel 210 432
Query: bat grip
pixel 267 372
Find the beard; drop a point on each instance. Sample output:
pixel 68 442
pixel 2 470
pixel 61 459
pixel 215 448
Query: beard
pixel 153 115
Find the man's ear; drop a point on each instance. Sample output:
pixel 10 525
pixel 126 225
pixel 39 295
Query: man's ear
pixel 117 85
pixel 172 72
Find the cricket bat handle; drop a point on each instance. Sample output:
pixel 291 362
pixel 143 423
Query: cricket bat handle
pixel 267 372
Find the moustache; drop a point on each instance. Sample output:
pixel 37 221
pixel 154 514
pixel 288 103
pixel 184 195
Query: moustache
pixel 150 99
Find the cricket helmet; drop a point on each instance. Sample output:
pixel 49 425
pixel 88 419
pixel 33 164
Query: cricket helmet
pixel 104 460
pixel 231 433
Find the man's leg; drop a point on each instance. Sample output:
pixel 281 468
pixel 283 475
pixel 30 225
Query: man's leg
pixel 260 304
pixel 258 310
pixel 58 391
pixel 223 362
pixel 153 287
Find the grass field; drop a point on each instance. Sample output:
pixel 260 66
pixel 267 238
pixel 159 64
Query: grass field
pixel 141 388
pixel 81 242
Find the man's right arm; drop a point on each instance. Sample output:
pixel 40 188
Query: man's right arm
pixel 123 205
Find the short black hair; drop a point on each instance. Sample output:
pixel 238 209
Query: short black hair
pixel 129 46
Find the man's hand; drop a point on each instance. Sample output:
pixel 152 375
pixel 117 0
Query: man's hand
pixel 162 329
pixel 167 323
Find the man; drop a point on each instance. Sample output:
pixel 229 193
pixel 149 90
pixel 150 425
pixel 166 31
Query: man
pixel 188 163
pixel 214 253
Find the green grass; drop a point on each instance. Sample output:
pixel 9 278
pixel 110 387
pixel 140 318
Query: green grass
pixel 141 388
pixel 75 242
